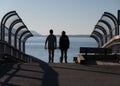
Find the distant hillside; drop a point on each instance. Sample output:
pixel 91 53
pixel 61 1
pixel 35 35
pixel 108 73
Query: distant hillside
pixel 35 33
pixel 74 35
pixel 14 30
pixel 79 35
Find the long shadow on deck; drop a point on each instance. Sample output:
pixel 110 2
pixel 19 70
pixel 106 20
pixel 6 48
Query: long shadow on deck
pixel 9 71
pixel 50 76
pixel 4 68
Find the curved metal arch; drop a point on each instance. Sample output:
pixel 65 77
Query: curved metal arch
pixel 16 34
pixel 3 21
pixel 114 19
pixel 109 27
pixel 14 23
pixel 11 27
pixel 96 38
pixel 25 32
pixel 24 41
pixel 103 30
pixel 8 15
pixel 99 35
pixel 118 16
pixel 28 36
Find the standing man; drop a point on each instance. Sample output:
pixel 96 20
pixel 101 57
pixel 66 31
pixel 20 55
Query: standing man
pixel 64 45
pixel 51 41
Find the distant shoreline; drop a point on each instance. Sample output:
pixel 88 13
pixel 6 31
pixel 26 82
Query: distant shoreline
pixel 76 35
pixel 68 35
pixel 79 35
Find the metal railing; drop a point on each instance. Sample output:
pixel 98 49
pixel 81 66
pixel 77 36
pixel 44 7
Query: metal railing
pixel 10 48
pixel 106 31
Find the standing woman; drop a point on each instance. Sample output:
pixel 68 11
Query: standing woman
pixel 64 45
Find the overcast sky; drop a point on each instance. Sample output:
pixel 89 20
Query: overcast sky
pixel 73 16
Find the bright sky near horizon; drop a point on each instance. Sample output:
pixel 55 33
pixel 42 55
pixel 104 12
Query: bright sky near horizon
pixel 73 16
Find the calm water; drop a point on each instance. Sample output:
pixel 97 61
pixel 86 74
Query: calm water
pixel 35 47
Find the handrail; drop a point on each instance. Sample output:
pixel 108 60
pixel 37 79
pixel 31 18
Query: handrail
pixel 9 51
pixel 111 34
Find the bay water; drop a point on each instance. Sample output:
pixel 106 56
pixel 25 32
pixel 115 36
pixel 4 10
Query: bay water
pixel 35 47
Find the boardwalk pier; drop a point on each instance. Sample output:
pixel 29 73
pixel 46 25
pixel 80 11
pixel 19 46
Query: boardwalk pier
pixel 20 69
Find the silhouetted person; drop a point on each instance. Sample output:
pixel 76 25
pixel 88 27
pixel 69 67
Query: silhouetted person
pixel 64 45
pixel 51 41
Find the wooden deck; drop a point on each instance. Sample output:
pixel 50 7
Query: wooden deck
pixel 57 74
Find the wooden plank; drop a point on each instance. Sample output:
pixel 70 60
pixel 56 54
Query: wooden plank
pixel 95 50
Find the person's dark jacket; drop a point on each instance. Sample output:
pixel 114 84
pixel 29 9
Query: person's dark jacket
pixel 64 42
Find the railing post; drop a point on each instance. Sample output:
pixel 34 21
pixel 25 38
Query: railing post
pixel 118 20
pixel 21 33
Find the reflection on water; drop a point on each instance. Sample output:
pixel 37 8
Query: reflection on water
pixel 35 47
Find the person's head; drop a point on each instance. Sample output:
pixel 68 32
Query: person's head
pixel 63 33
pixel 51 31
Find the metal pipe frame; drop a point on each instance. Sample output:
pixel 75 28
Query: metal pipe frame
pixel 98 30
pixel 16 34
pixel 3 21
pixel 96 38
pixel 103 30
pixel 109 27
pixel 118 17
pixel 24 41
pixel 114 19
pixel 99 35
pixel 11 27
pixel 20 32
pixel 20 40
